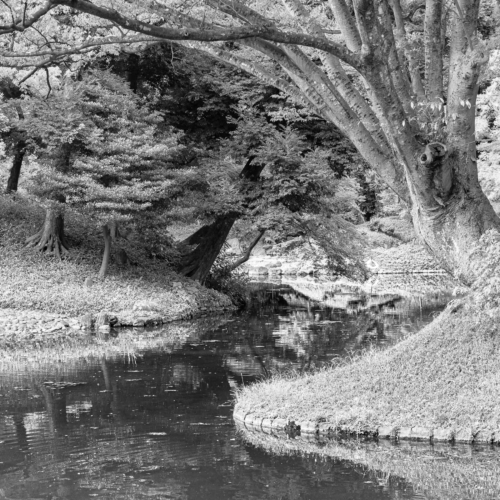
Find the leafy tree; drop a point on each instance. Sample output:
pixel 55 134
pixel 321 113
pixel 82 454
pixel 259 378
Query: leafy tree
pixel 273 178
pixel 101 154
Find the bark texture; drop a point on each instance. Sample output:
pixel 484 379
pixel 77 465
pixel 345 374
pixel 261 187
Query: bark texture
pixel 209 242
pixel 51 239
pixel 106 234
pixel 15 171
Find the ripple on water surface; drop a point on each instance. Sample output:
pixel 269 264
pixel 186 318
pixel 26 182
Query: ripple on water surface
pixel 162 427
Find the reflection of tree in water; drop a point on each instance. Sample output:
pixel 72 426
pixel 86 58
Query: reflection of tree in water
pixel 105 437
pixel 135 429
pixel 309 333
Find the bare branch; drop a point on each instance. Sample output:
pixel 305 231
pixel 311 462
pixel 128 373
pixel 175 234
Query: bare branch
pixel 43 65
pixel 78 49
pixel 248 252
pixel 22 24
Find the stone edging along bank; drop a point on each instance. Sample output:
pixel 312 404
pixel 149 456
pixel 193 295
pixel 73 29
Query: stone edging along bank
pixel 324 429
pixel 34 322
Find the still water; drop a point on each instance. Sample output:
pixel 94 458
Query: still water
pixel 159 424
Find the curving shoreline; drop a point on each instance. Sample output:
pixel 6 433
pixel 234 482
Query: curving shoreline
pixel 290 428
pixel 439 385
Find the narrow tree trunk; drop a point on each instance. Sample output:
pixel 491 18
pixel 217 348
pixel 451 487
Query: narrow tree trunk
pixel 198 262
pixel 247 254
pixel 15 171
pixel 107 251
pixel 50 239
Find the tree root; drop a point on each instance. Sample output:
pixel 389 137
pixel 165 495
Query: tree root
pixel 49 244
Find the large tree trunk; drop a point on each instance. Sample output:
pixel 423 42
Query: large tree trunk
pixel 209 242
pixel 15 171
pixel 50 239
pixel 452 232
pixel 210 239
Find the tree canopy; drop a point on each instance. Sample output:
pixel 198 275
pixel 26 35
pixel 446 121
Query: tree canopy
pixel 399 78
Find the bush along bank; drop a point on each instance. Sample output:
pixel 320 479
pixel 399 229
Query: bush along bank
pixel 441 384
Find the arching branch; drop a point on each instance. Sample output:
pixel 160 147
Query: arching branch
pixel 213 33
pixel 400 35
pixel 340 80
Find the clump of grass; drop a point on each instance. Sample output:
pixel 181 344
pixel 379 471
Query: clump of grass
pixel 31 280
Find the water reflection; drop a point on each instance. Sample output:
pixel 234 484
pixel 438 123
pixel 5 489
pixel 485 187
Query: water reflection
pixel 161 426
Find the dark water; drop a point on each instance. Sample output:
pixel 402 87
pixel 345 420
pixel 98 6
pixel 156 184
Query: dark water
pixel 160 425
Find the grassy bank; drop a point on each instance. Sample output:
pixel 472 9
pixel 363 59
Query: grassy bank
pixel 30 280
pixel 446 376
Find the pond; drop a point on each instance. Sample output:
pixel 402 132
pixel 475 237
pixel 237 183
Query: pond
pixel 159 424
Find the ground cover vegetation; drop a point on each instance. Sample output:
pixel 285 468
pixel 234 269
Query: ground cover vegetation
pixel 400 80
pixel 32 281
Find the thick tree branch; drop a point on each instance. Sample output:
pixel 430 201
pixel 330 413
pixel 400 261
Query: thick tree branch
pixel 255 69
pixel 395 64
pixel 347 24
pixel 340 80
pixel 212 33
pixel 400 36
pixel 433 49
pixel 78 49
